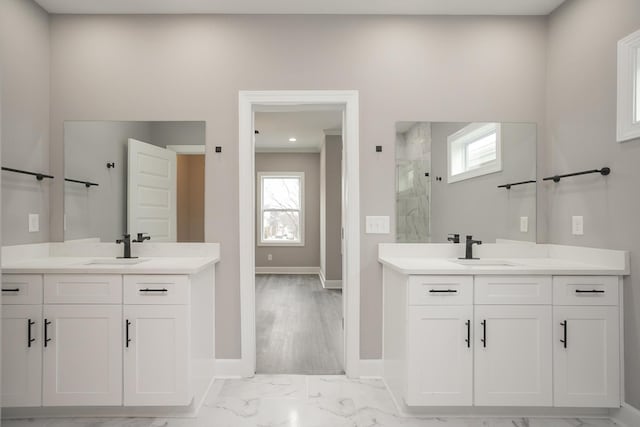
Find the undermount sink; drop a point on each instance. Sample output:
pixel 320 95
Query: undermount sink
pixel 484 262
pixel 116 261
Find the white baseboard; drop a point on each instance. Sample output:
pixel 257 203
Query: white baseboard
pixel 371 368
pixel 627 415
pixel 229 368
pixel 287 270
pixel 329 284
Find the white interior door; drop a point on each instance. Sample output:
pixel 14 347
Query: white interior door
pixel 21 355
pixel 513 361
pixel 152 191
pixel 586 356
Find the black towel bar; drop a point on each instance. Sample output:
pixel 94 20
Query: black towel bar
pixel 556 178
pixel 39 176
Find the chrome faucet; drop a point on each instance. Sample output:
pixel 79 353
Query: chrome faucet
pixel 469 247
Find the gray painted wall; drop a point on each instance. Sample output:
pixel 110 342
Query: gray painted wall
pixel 192 67
pixel 333 207
pixel 25 61
pixel 476 206
pixel 295 256
pixel 581 134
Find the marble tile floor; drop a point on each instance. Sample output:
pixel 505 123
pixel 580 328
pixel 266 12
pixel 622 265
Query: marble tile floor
pixel 303 401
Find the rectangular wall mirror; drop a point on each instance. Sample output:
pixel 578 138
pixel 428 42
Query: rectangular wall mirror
pixel 629 88
pixel 134 177
pixel 465 178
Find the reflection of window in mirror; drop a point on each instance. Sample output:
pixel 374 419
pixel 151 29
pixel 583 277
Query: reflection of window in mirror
pixel 628 126
pixel 474 151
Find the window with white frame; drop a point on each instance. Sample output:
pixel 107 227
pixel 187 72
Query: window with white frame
pixel 473 151
pixel 281 208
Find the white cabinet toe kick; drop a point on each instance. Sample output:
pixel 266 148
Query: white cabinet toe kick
pixel 482 341
pixel 103 342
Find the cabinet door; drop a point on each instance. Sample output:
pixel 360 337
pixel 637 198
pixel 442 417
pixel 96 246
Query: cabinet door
pixel 157 357
pixel 440 356
pixel 586 356
pixel 513 359
pixel 21 355
pixel 83 355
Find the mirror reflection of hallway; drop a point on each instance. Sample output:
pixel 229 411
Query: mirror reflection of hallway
pixel 299 305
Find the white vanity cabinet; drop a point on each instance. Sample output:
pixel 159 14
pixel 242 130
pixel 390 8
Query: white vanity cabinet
pixel 98 339
pixel 502 340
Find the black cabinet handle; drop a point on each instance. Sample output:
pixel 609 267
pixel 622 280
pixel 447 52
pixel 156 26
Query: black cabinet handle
pixel 46 332
pixel 484 333
pixel 592 291
pixel 11 290
pixel 154 290
pixel 442 291
pixel 128 340
pixel 30 323
pixel 468 340
pixel 564 327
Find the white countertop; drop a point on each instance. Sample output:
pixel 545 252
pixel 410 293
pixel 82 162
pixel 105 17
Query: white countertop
pixel 79 265
pixel 529 266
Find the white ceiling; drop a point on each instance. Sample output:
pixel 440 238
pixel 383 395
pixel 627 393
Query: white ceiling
pixel 308 127
pixel 366 7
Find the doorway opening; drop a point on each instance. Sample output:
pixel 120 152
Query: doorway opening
pixel 250 104
pixel 298 254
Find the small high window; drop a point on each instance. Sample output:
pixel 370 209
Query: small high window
pixel 280 209
pixel 473 151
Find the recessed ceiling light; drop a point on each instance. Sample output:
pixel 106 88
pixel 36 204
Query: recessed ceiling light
pixel 292 140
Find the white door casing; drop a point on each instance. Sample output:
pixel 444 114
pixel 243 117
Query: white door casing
pixel 152 191
pixel 21 359
pixel 347 100
pixel 513 355
pixel 440 359
pixel 587 365
pixel 82 362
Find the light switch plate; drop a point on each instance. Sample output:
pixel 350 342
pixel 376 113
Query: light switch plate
pixel 577 225
pixel 34 223
pixel 377 225
pixel 524 224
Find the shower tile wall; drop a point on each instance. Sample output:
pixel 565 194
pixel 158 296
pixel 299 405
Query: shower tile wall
pixel 413 186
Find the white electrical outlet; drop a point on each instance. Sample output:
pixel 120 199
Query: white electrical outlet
pixel 269 257
pixel 524 224
pixel 577 225
pixel 34 223
pixel 377 225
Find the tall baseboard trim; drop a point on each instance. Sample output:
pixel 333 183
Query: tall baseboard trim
pixel 329 284
pixel 287 270
pixel 371 368
pixel 627 415
pixel 229 368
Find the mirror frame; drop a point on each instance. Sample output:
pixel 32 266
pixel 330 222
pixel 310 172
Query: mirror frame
pixel 628 60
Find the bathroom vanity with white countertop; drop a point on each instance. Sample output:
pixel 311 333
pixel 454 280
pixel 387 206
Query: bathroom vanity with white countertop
pixel 524 326
pixel 85 333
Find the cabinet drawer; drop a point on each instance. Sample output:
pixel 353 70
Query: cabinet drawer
pixel 585 290
pixel 440 290
pixel 530 290
pixel 82 289
pixel 21 289
pixel 156 289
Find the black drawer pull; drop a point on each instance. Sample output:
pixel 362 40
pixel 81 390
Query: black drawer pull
pixel 442 291
pixel 564 327
pixel 11 290
pixel 484 333
pixel 592 291
pixel 128 340
pixel 30 323
pixel 154 290
pixel 46 332
pixel 468 340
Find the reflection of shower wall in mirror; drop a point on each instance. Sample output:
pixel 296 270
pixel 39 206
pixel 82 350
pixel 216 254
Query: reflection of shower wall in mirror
pixel 413 164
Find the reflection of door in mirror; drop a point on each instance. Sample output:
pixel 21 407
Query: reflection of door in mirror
pixel 413 182
pixel 636 102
